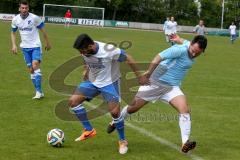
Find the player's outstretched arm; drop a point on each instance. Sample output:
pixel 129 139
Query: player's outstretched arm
pixel 45 36
pixel 13 40
pixel 155 62
pixel 132 63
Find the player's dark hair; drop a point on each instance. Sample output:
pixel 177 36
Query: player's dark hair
pixel 201 40
pixel 24 2
pixel 82 41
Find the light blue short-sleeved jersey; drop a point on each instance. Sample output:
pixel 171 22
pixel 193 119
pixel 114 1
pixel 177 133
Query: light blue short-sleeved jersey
pixel 174 65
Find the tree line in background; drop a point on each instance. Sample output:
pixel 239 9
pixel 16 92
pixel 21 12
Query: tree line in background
pixel 186 12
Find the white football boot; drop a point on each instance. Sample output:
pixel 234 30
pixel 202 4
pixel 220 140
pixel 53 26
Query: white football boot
pixel 38 95
pixel 123 146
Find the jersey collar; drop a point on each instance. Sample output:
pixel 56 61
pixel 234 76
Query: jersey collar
pixel 24 17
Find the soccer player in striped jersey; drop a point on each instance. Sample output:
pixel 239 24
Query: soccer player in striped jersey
pixel 102 76
pixel 28 25
pixel 165 74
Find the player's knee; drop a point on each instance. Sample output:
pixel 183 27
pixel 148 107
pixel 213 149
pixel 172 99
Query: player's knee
pixel 75 100
pixel 184 109
pixel 35 67
pixel 31 70
pixel 115 113
pixel 72 102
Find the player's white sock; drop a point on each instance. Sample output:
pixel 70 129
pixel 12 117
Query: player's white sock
pixel 185 126
pixel 38 80
pixel 33 80
pixel 124 112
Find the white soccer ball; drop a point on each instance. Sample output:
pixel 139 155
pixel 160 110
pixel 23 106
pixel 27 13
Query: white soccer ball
pixel 55 137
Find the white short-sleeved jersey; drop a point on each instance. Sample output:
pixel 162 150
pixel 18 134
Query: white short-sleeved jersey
pixel 104 65
pixel 232 29
pixel 28 29
pixel 172 27
pixel 200 30
pixel 165 27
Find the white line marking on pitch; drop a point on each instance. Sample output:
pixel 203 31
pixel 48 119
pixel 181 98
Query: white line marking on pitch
pixel 153 136
pixel 217 97
pixel 160 140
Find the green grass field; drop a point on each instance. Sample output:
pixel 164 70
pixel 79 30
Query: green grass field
pixel 212 88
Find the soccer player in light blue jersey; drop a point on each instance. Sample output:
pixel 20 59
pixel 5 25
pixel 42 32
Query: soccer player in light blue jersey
pixel 165 75
pixel 102 76
pixel 28 25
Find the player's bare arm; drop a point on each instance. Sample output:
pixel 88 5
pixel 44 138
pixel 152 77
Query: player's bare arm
pixel 14 46
pixel 131 62
pixel 45 36
pixel 152 66
pixel 85 72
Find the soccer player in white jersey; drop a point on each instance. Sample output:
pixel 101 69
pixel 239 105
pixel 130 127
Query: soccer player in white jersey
pixel 165 74
pixel 28 25
pixel 166 29
pixel 172 28
pixel 102 76
pixel 233 33
pixel 200 28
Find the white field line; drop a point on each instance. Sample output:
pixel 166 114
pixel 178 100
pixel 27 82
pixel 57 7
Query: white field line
pixel 161 140
pixel 155 137
pixel 217 97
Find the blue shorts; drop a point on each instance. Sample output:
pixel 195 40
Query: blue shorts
pixel 110 92
pixel 32 54
pixel 233 36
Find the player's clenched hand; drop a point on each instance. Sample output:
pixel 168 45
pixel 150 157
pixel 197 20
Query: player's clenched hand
pixel 48 47
pixel 175 38
pixel 143 80
pixel 14 49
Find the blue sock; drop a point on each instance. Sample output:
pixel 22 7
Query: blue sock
pixel 38 80
pixel 81 113
pixel 119 124
pixel 33 80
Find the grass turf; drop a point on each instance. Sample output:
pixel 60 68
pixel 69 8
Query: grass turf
pixel 212 88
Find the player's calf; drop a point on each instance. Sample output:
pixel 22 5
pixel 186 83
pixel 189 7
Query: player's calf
pixel 124 114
